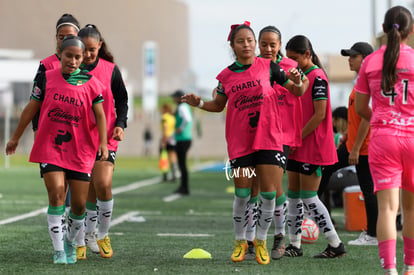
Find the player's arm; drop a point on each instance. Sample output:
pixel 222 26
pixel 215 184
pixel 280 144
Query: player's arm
pixel 216 105
pixel 101 125
pixel 362 105
pixel 27 115
pixel 293 80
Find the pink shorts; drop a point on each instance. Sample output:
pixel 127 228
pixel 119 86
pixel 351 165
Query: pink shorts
pixel 391 161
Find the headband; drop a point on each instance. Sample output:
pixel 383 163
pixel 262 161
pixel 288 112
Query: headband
pixel 232 27
pixel 72 41
pixel 67 23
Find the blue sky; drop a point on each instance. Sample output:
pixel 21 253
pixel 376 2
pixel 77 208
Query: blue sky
pixel 331 25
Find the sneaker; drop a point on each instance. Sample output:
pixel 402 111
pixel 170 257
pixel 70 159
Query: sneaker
pixel 408 270
pixel 278 248
pixel 90 240
pixel 332 252
pixel 293 251
pixel 364 239
pixel 251 251
pixel 239 252
pixel 59 257
pixel 70 250
pixel 262 256
pixel 105 247
pixel 81 252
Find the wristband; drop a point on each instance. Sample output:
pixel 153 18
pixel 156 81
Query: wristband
pixel 298 85
pixel 201 104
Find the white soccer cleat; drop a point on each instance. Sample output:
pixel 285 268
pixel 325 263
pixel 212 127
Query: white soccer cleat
pixel 90 240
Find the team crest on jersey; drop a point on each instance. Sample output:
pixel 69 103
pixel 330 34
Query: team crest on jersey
pixel 79 83
pixel 36 91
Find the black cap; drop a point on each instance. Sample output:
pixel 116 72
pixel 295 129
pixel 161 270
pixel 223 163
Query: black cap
pixel 358 48
pixel 178 93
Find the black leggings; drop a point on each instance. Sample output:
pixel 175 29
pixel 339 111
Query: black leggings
pixel 182 148
pixel 365 182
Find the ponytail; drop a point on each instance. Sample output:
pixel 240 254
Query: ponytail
pixel 398 24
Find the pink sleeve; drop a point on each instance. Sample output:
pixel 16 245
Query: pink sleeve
pixel 362 81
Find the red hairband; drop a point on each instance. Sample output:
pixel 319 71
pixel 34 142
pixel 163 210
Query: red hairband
pixel 232 27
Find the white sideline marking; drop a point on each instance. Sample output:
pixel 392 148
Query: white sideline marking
pixel 172 197
pixel 24 216
pixel 184 235
pixel 115 191
pixel 118 190
pixel 123 218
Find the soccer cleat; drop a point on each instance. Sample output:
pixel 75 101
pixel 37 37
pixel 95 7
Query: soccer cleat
pixel 105 247
pixel 239 252
pixel 90 240
pixel 293 251
pixel 278 248
pixel 408 270
pixel 70 250
pixel 251 251
pixel 332 252
pixel 59 257
pixel 364 239
pixel 262 256
pixel 81 252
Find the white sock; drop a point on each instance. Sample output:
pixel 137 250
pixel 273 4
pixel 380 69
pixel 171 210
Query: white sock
pixel 294 221
pixel 321 216
pixel 240 217
pixel 80 237
pixel 91 220
pixel 264 221
pixel 104 217
pixel 54 223
pixel 74 226
pixel 251 227
pixel 279 218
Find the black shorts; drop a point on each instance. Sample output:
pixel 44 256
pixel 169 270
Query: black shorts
pixel 69 174
pixel 303 168
pixel 260 157
pixel 170 147
pixel 111 156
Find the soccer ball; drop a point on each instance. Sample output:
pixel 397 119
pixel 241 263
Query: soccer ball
pixel 310 231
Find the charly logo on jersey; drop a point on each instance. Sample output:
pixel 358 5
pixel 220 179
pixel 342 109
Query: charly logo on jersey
pixel 63 136
pixel 245 85
pixel 60 116
pixel 248 101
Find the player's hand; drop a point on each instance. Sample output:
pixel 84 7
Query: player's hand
pixel 11 147
pixel 103 152
pixel 294 75
pixel 191 99
pixel 118 134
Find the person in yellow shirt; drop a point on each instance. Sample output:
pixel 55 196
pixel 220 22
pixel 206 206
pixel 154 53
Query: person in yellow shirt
pixel 168 139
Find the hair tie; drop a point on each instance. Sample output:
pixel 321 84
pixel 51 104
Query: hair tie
pixel 232 27
pixel 396 26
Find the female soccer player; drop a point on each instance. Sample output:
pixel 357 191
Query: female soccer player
pixel 385 77
pixel 99 62
pixel 66 25
pixel 290 108
pixel 66 141
pixel 317 149
pixel 253 131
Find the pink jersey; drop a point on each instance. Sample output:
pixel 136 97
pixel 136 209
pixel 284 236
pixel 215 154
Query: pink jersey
pixel 67 134
pixel 252 120
pixel 51 62
pixel 318 147
pixel 290 108
pixel 393 111
pixel 103 71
